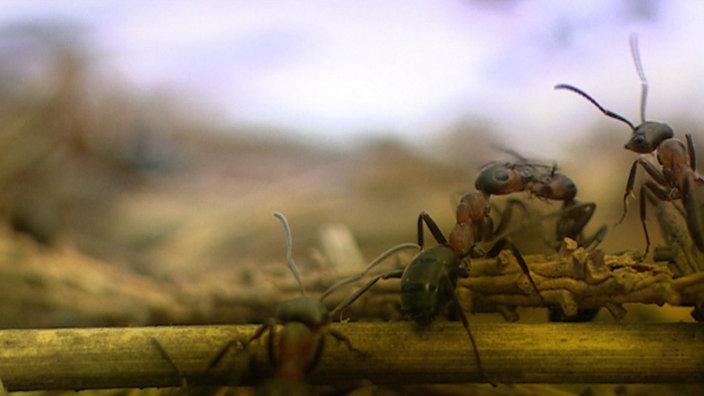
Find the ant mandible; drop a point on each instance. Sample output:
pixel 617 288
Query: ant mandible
pixel 305 322
pixel 676 178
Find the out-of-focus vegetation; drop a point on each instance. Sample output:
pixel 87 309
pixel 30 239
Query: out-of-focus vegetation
pixel 120 207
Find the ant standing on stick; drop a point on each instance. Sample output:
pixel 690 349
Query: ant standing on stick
pixel 429 281
pixel 297 348
pixel 542 181
pixel 676 178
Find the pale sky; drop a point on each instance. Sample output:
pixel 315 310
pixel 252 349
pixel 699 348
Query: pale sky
pixel 333 70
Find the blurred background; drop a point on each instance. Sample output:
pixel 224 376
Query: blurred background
pixel 145 145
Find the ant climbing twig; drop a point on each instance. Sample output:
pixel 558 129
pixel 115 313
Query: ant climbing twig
pixel 675 177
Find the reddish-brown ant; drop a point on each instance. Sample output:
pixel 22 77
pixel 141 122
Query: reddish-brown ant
pixel 474 222
pixel 540 180
pixel 676 177
pixel 305 323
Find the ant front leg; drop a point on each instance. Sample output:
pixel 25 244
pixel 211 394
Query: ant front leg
pixel 424 217
pixel 573 220
pixel 504 242
pixel 652 170
pixel 694 206
pixel 662 194
pixel 269 325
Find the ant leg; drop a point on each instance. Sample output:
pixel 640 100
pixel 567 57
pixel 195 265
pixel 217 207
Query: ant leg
pixel 379 259
pixel 652 170
pixel 643 205
pixel 432 226
pixel 354 296
pixel 465 323
pixel 165 355
pixel 595 239
pixel 583 214
pixel 508 213
pixel 503 242
pixel 342 338
pixel 224 351
pixel 692 154
pixel 694 205
pixel 629 190
pixel 662 194
pixel 267 325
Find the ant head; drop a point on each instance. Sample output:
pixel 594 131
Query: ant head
pixel 647 137
pixel 498 178
pixel 304 309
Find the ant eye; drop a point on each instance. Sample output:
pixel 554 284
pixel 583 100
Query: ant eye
pixel 638 143
pixel 501 175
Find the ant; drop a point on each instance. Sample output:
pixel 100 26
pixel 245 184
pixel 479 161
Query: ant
pixel 541 180
pixel 429 281
pixel 676 177
pixel 682 257
pixel 502 178
pixel 305 320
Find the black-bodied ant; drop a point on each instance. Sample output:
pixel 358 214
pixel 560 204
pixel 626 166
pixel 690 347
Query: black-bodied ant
pixel 429 281
pixel 676 177
pixel 305 322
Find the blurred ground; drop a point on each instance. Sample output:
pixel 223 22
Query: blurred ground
pixel 119 208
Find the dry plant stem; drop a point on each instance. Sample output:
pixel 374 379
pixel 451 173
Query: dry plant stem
pixel 395 353
pixel 574 280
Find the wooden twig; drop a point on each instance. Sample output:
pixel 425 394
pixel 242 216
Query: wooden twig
pixel 395 353
pixel 576 279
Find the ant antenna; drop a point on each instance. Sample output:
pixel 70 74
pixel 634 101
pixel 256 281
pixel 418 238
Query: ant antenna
pixel 289 251
pixel 606 112
pixel 639 68
pixel 378 260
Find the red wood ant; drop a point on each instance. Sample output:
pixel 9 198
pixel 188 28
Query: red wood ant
pixel 676 177
pixel 300 342
pixel 474 222
pixel 540 180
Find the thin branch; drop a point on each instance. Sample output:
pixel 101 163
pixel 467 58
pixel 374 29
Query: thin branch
pixel 394 353
pixel 577 279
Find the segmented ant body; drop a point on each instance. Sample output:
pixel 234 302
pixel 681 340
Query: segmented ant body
pixel 540 180
pixel 675 178
pixel 305 324
pixel 429 281
pixel 543 181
